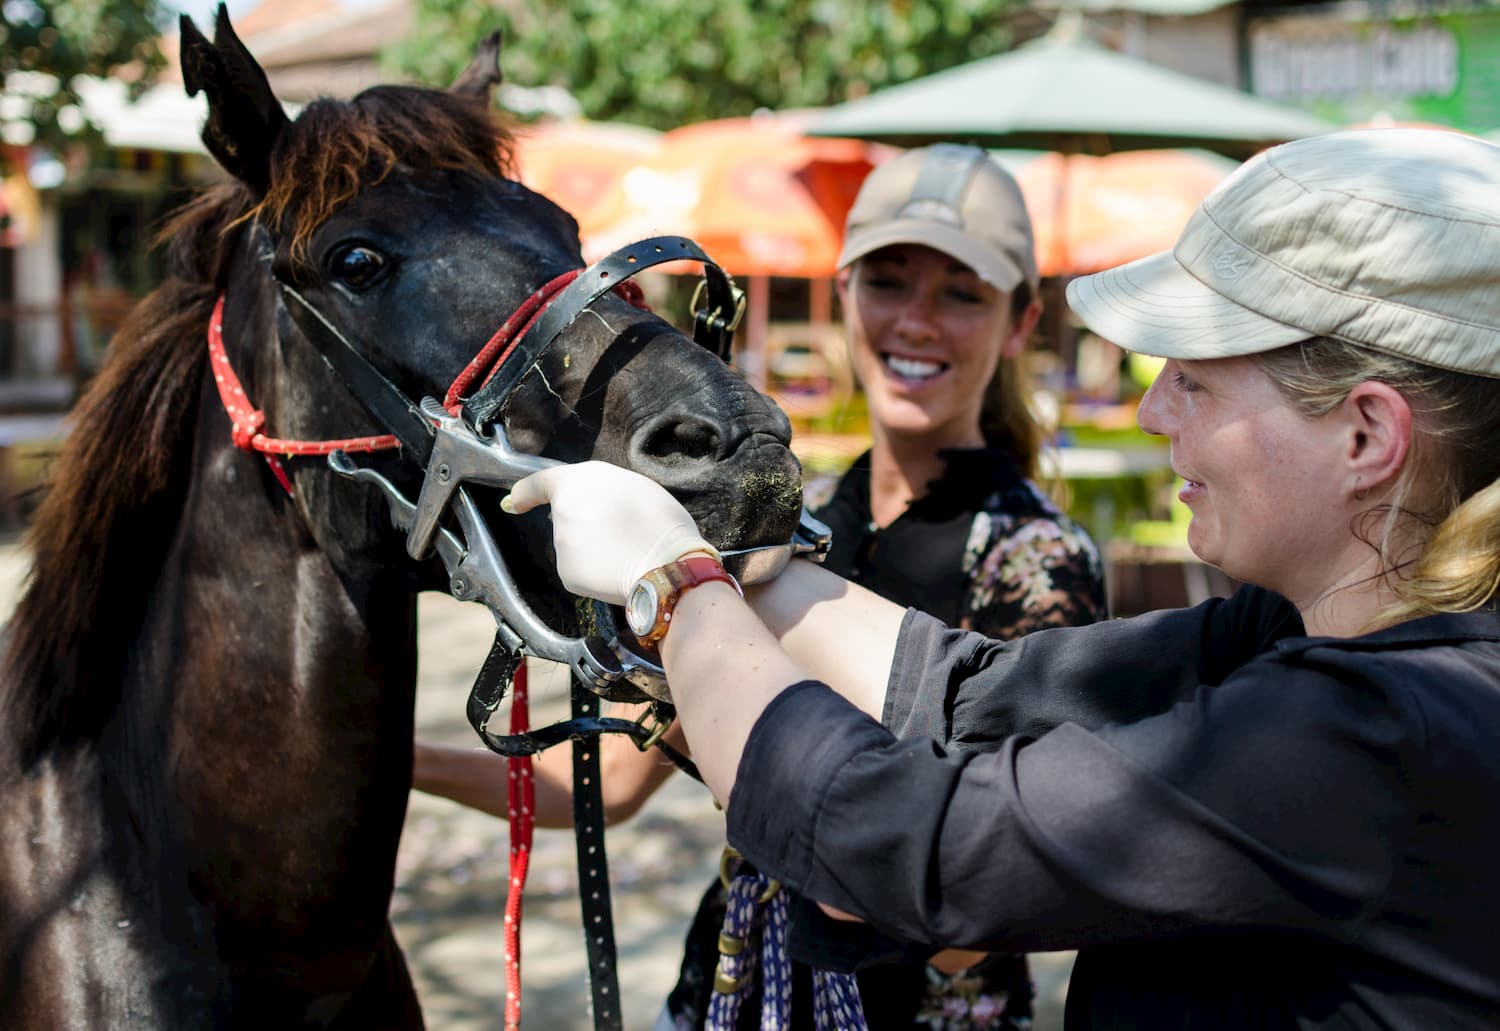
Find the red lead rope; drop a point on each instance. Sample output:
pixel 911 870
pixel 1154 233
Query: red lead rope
pixel 521 809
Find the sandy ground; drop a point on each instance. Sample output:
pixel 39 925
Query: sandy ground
pixel 452 868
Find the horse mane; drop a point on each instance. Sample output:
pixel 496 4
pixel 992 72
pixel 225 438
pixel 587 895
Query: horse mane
pixel 116 487
pixel 102 531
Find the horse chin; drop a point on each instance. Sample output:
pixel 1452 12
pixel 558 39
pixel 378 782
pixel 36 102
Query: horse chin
pixel 758 503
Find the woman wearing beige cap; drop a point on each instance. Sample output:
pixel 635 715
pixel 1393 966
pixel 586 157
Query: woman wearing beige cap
pixel 1276 810
pixel 938 283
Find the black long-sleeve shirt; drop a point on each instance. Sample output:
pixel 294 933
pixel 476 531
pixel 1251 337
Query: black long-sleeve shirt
pixel 1238 825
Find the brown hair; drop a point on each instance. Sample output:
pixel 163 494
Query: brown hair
pixel 116 490
pixel 337 148
pixel 1007 419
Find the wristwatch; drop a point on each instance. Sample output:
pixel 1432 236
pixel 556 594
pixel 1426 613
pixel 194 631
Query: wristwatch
pixel 648 609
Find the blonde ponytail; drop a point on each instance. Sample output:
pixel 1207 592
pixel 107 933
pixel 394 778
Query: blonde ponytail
pixel 1459 569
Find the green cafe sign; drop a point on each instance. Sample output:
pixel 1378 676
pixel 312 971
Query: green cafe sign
pixel 1441 67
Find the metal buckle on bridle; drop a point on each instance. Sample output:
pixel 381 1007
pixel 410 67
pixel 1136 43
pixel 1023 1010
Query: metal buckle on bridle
pixel 709 321
pixel 654 732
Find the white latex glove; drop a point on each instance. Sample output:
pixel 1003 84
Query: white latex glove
pixel 610 526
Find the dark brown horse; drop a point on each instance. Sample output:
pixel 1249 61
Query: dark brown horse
pixel 206 705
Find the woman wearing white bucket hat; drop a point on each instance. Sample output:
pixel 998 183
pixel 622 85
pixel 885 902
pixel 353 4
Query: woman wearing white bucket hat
pixel 1277 810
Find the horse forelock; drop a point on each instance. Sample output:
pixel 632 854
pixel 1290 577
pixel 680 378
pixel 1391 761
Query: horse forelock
pixel 336 149
pixel 116 489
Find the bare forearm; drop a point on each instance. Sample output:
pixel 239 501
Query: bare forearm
pixel 478 779
pixel 725 665
pixel 837 631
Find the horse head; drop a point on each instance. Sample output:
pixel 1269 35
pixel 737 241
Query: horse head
pixel 396 216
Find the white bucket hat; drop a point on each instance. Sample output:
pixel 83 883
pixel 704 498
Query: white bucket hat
pixel 1388 238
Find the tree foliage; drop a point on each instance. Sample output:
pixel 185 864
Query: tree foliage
pixel 51 42
pixel 666 63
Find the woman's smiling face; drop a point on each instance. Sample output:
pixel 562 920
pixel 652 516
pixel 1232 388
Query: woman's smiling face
pixel 925 335
pixel 1262 480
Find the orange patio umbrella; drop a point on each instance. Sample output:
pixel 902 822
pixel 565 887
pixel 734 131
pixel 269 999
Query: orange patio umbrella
pixel 578 165
pixel 755 193
pixel 1093 213
pixel 759 196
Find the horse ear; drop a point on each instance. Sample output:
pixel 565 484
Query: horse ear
pixel 483 73
pixel 244 116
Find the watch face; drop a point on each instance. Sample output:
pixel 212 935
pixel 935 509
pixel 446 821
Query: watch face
pixel 640 608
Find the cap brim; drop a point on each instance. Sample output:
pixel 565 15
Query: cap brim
pixel 990 265
pixel 1155 306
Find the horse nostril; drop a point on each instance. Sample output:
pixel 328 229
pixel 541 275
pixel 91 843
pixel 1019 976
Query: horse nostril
pixel 679 439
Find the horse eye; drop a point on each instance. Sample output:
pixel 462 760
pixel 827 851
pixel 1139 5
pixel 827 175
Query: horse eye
pixel 358 267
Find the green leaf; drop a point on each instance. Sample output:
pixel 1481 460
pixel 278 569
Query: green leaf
pixel 69 38
pixel 666 63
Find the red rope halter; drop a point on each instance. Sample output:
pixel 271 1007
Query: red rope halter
pixel 248 422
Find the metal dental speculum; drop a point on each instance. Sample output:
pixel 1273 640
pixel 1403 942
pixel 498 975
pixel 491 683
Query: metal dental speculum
pixel 478 572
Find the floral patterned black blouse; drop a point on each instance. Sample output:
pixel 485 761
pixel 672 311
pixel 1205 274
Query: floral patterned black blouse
pixel 985 549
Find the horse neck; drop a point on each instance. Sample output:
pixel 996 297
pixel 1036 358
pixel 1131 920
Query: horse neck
pixel 218 800
pixel 292 680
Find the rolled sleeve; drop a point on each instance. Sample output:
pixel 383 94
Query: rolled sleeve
pixel 969 691
pixel 794 753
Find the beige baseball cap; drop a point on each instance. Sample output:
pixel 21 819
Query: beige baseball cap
pixel 1388 238
pixel 951 198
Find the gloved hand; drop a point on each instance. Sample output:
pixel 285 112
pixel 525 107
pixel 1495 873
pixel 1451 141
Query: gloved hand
pixel 609 525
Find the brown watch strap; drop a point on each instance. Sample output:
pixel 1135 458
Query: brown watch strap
pixel 673 579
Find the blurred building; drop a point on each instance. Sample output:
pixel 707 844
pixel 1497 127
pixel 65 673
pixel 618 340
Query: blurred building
pixel 1350 61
